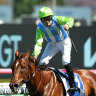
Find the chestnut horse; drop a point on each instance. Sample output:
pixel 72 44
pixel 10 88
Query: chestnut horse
pixel 44 82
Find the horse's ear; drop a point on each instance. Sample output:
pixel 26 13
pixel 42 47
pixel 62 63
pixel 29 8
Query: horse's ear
pixel 27 54
pixel 17 53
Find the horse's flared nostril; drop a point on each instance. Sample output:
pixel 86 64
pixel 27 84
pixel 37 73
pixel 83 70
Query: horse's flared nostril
pixel 16 85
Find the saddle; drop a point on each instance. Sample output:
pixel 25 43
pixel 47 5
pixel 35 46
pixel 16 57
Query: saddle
pixel 64 79
pixel 58 74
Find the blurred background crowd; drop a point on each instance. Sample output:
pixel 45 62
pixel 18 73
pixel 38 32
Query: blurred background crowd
pixel 26 11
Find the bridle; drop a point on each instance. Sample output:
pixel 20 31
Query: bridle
pixel 31 77
pixel 27 72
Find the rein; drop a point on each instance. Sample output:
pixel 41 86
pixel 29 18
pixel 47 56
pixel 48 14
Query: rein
pixel 38 85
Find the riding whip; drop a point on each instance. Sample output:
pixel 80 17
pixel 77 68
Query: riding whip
pixel 73 45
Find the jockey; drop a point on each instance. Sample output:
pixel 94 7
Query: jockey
pixel 54 29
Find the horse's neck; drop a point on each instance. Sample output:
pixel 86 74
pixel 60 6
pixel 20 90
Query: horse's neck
pixel 49 80
pixel 43 81
pixel 35 76
pixel 41 76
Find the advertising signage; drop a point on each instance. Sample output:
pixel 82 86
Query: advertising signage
pixel 85 39
pixel 6 13
pixel 12 38
pixel 22 38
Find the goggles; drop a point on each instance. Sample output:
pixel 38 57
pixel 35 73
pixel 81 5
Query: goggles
pixel 48 18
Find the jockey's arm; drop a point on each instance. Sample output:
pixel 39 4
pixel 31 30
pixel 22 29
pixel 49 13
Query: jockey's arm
pixel 38 42
pixel 65 20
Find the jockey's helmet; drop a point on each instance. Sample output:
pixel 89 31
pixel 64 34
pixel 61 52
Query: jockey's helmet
pixel 44 12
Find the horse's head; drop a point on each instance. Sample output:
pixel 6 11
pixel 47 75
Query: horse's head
pixel 21 70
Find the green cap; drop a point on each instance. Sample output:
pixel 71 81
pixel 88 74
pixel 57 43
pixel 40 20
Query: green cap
pixel 44 12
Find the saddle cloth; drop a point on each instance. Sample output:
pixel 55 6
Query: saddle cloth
pixel 65 80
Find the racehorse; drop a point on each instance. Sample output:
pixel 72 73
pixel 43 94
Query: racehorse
pixel 44 82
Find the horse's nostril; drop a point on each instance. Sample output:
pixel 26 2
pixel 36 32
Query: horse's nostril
pixel 16 85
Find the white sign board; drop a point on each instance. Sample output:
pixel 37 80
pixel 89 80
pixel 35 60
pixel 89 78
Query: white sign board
pixel 6 13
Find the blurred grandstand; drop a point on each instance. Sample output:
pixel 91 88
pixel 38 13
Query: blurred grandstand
pixel 66 8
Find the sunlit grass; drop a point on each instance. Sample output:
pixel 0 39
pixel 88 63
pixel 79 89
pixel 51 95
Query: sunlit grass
pixel 4 80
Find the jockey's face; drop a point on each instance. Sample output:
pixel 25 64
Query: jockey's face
pixel 47 23
pixel 46 20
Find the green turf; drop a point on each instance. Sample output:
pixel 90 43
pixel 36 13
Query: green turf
pixel 5 80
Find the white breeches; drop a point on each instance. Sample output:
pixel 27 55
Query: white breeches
pixel 54 47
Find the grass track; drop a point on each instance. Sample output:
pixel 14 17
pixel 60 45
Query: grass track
pixel 5 80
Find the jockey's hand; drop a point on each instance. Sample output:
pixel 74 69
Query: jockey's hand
pixel 35 57
pixel 66 27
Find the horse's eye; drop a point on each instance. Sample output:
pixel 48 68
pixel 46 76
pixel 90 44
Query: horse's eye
pixel 22 67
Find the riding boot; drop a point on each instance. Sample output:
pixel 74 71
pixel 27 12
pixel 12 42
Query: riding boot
pixel 70 73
